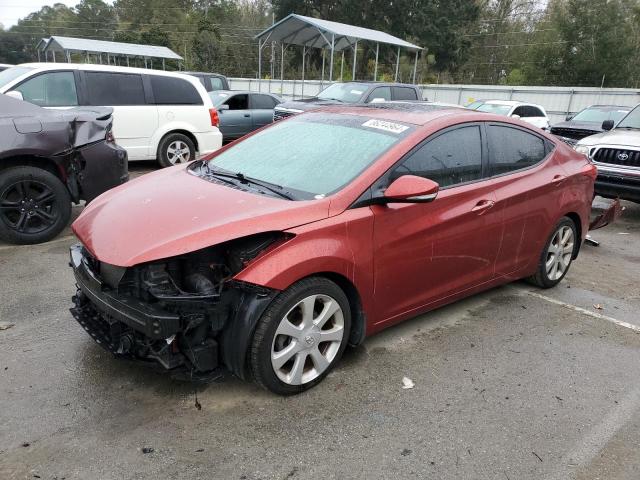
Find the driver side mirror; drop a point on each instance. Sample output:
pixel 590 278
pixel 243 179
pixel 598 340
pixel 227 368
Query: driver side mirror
pixel 222 108
pixel 411 189
pixel 607 125
pixel 377 100
pixel 15 94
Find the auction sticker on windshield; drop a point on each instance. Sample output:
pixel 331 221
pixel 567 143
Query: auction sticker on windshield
pixel 386 126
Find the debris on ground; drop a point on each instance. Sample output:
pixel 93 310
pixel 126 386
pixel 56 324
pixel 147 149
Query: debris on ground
pixel 146 450
pixel 6 325
pixel 597 306
pixel 405 452
pixel 537 456
pixel 407 383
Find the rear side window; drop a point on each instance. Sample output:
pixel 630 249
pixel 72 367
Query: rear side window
pixel 53 89
pixel 511 149
pixel 262 102
pixel 404 93
pixel 109 89
pixel 217 83
pixel 174 91
pixel 451 158
pixel 380 92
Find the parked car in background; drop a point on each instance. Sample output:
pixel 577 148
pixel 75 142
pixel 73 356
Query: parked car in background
pixel 616 153
pixel 528 112
pixel 49 159
pixel 352 93
pixel 156 114
pixel 211 81
pixel 474 105
pixel 242 112
pixel 4 66
pixel 588 122
pixel 321 230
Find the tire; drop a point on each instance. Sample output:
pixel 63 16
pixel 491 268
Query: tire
pixel 557 254
pixel 175 148
pixel 35 205
pixel 284 335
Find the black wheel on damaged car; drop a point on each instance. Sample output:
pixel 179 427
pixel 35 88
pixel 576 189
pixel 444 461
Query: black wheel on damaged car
pixel 557 254
pixel 174 149
pixel 35 205
pixel 300 336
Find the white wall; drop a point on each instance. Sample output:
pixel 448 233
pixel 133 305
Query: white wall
pixel 558 101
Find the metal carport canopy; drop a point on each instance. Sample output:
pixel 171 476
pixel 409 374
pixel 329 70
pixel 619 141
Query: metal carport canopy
pixel 311 32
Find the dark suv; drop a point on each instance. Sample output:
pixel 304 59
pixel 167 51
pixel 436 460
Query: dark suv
pixel 211 81
pixel 350 93
pixel 616 153
pixel 587 122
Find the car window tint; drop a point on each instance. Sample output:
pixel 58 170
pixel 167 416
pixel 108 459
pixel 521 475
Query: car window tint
pixel 520 111
pixel 238 102
pixel 174 91
pixel 404 93
pixel 451 158
pixel 380 92
pixel 535 112
pixel 108 89
pixel 512 149
pixel 54 89
pixel 216 83
pixel 262 102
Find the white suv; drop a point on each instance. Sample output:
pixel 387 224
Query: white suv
pixel 157 114
pixel 527 112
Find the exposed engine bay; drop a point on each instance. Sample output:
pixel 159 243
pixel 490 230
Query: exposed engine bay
pixel 186 311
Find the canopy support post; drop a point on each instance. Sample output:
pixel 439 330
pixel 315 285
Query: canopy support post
pixel 128 62
pixel 54 55
pixel 304 54
pixel 375 70
pixel 260 64
pixel 355 58
pixel 415 66
pixel 322 77
pixel 342 65
pixel 282 69
pixel 163 64
pixel 333 41
pixel 397 65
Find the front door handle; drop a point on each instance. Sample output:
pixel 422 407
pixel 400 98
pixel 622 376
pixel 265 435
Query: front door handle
pixel 247 115
pixel 482 206
pixel 558 180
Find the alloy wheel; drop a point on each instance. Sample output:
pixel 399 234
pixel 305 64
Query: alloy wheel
pixel 29 206
pixel 307 339
pixel 559 253
pixel 178 152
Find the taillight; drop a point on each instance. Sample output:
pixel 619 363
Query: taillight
pixel 109 137
pixel 590 170
pixel 215 119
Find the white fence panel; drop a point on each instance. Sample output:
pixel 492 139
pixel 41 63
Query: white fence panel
pixel 558 101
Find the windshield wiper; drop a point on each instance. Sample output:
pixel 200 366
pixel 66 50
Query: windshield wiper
pixel 628 127
pixel 272 187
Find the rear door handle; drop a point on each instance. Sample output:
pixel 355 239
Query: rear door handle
pixel 482 206
pixel 558 180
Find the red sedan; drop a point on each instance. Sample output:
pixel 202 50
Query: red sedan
pixel 272 255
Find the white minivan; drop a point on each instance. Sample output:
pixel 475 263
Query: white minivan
pixel 157 115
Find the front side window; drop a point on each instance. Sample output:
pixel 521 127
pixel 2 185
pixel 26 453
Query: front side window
pixel 53 89
pixel 512 149
pixel 451 158
pixel 404 93
pixel 174 91
pixel 317 154
pixel 238 102
pixel 344 92
pixel 381 93
pixel 108 89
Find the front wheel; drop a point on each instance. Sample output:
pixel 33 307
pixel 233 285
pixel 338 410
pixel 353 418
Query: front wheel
pixel 557 255
pixel 174 149
pixel 300 337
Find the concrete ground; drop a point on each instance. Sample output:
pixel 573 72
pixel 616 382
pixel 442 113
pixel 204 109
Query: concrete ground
pixel 515 383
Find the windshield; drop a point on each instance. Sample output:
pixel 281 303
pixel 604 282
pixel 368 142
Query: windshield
pixel 344 92
pixel 494 108
pixel 599 115
pixel 632 120
pixel 11 74
pixel 218 98
pixel 317 154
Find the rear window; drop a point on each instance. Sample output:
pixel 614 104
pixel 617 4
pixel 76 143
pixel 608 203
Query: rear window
pixel 174 91
pixel 262 102
pixel 404 93
pixel 104 88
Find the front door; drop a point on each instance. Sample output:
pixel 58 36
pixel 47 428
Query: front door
pixel 236 121
pixel 427 252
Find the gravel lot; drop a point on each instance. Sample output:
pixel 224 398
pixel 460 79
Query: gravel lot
pixel 515 383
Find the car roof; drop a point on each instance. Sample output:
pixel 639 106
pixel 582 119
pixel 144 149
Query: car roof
pixel 376 83
pixel 416 114
pixel 203 73
pixel 234 92
pixel 42 66
pixel 609 107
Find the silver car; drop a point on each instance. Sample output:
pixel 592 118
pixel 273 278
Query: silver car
pixel 242 112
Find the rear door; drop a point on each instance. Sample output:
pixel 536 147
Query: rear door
pixel 134 119
pixel 527 182
pixel 237 120
pixel 429 251
pixel 261 109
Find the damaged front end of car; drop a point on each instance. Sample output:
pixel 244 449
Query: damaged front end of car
pixel 185 313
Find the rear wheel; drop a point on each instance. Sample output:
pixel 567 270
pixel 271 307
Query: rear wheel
pixel 557 255
pixel 300 337
pixel 35 206
pixel 174 149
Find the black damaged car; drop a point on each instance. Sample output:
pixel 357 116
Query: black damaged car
pixel 49 159
pixel 588 122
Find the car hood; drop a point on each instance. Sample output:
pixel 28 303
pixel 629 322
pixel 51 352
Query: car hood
pixel 307 104
pixel 590 126
pixel 617 136
pixel 171 212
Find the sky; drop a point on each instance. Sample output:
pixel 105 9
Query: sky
pixel 12 10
